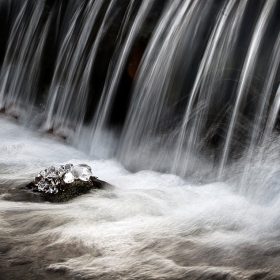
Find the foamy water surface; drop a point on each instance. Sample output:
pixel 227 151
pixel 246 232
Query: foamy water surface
pixel 147 226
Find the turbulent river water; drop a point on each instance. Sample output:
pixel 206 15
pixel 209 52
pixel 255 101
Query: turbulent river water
pixel 148 225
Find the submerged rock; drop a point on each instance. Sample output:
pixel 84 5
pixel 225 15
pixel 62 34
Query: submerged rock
pixel 60 184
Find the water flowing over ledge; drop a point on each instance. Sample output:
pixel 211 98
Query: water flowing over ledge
pixel 169 85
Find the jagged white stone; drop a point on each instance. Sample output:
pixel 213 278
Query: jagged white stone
pixel 50 180
pixel 68 177
pixel 82 172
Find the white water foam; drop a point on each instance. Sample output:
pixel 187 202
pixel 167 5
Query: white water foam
pixel 147 226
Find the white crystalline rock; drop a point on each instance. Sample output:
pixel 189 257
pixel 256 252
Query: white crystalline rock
pixel 53 190
pixel 51 170
pixel 38 178
pixel 43 173
pixel 49 180
pixel 41 186
pixel 68 166
pixel 60 170
pixel 68 177
pixel 82 172
pixel 51 173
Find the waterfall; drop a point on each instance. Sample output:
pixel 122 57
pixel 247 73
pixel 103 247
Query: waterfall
pixel 113 78
pixel 69 69
pixel 246 75
pixel 182 86
pixel 22 61
pixel 174 105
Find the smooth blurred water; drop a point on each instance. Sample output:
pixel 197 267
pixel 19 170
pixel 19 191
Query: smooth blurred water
pixel 175 86
pixel 148 225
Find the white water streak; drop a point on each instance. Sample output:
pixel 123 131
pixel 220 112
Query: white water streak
pixel 210 91
pixel 261 134
pixel 112 80
pixel 69 68
pixel 7 68
pixel 274 62
pixel 205 67
pixel 246 75
pixel 155 72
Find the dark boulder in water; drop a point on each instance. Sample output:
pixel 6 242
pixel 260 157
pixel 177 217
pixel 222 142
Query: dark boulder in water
pixel 69 191
pixel 59 184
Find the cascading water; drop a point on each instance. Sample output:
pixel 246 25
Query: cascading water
pixel 23 57
pixel 245 79
pixel 187 90
pixel 108 92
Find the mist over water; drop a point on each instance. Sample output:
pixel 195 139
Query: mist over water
pixel 175 104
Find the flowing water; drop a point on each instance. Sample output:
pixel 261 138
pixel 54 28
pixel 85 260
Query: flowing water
pixel 175 104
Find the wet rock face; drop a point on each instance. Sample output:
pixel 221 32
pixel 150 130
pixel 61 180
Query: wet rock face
pixel 62 183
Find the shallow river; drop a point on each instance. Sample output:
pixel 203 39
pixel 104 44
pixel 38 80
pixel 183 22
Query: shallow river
pixel 148 225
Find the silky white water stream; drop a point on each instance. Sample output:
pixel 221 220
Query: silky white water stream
pixel 148 225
